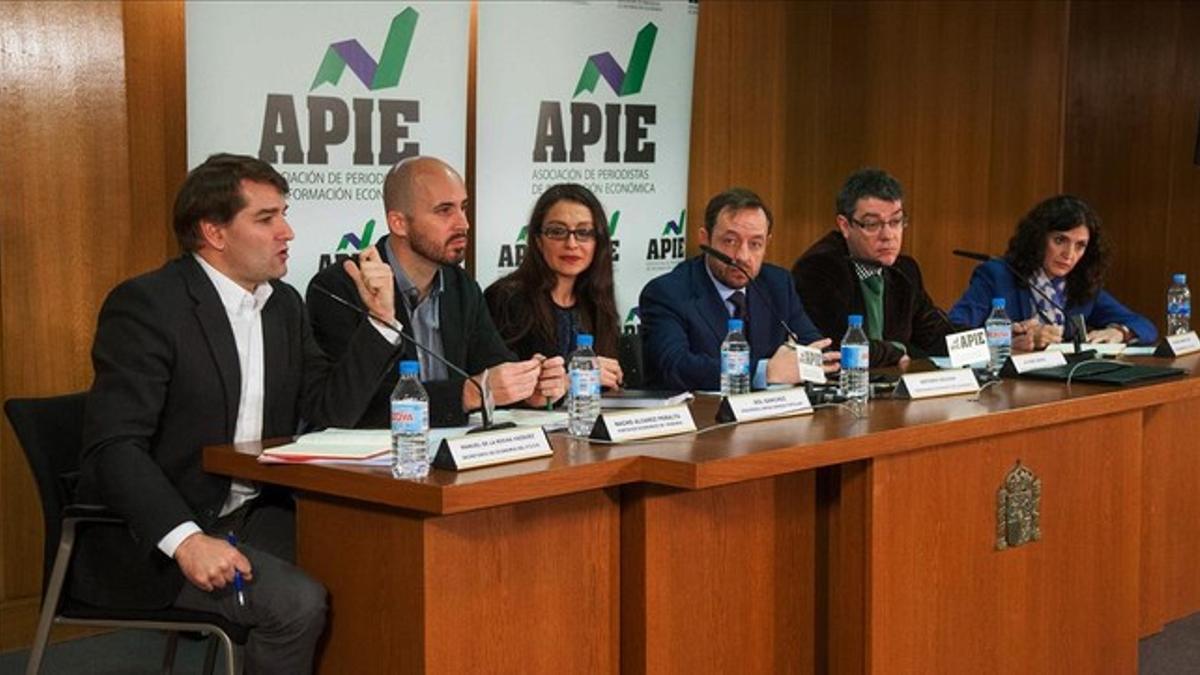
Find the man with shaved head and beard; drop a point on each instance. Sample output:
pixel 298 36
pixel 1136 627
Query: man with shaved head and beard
pixel 437 303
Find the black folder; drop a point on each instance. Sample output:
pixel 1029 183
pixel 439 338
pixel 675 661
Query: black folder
pixel 1104 372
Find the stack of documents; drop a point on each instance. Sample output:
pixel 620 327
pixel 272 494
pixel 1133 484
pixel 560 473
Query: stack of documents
pixel 370 447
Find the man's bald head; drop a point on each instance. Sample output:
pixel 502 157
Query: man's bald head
pixel 400 186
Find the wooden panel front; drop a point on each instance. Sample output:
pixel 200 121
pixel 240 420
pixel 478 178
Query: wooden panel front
pixel 944 600
pixel 719 580
pixel 1170 573
pixel 525 588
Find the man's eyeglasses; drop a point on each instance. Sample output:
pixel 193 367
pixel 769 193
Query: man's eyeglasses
pixel 561 232
pixel 873 226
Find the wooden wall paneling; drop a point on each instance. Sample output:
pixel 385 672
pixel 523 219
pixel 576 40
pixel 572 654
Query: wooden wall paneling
pixel 155 61
pixel 952 54
pixel 63 218
pixel 1028 87
pixel 1183 215
pixel 708 160
pixel 1120 88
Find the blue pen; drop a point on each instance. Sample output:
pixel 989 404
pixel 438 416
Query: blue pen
pixel 238 584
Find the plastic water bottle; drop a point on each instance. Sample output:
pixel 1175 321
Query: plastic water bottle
pixel 1179 306
pixel 735 361
pixel 583 405
pixel 856 363
pixel 410 424
pixel 999 336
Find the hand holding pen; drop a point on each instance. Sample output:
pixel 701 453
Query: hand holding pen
pixel 239 584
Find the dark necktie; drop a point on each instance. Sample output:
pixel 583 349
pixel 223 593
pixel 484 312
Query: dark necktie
pixel 738 300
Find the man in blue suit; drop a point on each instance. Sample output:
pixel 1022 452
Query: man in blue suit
pixel 686 311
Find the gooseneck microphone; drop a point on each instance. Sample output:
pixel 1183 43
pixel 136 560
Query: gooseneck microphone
pixel 1075 321
pixel 728 260
pixel 485 414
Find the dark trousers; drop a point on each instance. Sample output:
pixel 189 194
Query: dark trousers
pixel 285 608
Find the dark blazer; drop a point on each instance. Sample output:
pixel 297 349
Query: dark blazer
pixel 829 286
pixel 167 383
pixel 510 306
pixel 469 339
pixel 684 322
pixel 993 279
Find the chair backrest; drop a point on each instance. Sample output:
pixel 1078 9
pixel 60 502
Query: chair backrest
pixel 50 431
pixel 629 354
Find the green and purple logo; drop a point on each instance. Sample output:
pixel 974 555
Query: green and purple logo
pixel 356 241
pixel 374 75
pixel 675 227
pixel 624 81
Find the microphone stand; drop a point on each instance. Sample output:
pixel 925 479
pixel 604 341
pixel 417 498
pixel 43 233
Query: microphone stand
pixel 487 403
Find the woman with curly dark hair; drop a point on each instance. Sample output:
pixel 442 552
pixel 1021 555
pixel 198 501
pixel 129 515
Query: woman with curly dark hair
pixel 564 285
pixel 1059 249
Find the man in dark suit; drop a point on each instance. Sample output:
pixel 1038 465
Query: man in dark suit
pixel 211 348
pixel 686 311
pixel 437 303
pixel 858 269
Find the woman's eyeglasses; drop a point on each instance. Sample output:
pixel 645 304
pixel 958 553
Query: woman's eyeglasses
pixel 561 232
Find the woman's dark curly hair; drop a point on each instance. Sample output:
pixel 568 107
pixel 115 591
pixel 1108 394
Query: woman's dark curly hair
pixel 533 280
pixel 1027 248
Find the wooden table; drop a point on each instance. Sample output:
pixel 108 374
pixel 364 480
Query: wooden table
pixel 822 543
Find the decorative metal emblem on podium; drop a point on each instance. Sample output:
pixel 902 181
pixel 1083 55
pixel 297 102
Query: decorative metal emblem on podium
pixel 1018 508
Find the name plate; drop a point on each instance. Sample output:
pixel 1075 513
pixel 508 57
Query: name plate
pixel 758 405
pixel 1023 363
pixel 491 447
pixel 633 425
pixel 1179 345
pixel 937 383
pixel 967 348
pixel 809 361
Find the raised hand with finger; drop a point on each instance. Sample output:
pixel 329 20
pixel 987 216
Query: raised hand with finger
pixel 376 285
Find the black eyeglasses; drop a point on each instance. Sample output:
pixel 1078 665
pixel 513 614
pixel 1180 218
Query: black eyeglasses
pixel 874 226
pixel 561 232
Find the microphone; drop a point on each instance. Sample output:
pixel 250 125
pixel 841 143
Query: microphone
pixel 1075 320
pixel 728 260
pixel 484 397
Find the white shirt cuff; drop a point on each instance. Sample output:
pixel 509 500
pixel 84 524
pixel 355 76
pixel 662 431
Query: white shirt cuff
pixel 175 537
pixel 759 381
pixel 390 334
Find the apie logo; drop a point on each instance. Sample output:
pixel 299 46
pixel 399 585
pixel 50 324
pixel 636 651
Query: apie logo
pixel 590 124
pixel 670 246
pixel 379 129
pixel 374 76
pixel 357 243
pixel 623 82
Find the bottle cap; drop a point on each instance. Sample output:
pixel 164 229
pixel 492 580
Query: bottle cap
pixel 735 325
pixel 1180 279
pixel 997 303
pixel 409 368
pixel 854 320
pixel 584 341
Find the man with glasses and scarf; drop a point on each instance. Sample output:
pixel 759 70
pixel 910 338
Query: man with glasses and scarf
pixel 437 304
pixel 858 269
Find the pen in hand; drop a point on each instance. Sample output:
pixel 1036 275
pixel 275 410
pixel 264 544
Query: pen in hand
pixel 238 584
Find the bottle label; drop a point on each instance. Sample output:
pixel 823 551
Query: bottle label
pixel 735 362
pixel 410 417
pixel 856 356
pixel 1179 308
pixel 999 335
pixel 585 382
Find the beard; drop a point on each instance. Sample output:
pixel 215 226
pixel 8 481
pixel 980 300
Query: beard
pixel 441 253
pixel 726 273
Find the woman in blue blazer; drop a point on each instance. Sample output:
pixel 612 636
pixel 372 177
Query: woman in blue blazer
pixel 1058 248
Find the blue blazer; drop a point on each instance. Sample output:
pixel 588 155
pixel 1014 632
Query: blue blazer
pixel 684 322
pixel 993 279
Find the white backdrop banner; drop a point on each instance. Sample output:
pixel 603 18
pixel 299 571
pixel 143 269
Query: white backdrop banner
pixel 596 93
pixel 332 94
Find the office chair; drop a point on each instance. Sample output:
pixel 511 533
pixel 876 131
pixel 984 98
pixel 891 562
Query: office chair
pixel 629 355
pixel 50 432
